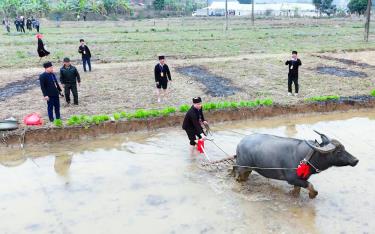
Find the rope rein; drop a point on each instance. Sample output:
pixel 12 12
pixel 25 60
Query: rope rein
pixel 230 161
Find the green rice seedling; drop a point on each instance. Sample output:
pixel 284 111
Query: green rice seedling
pixel 257 102
pixel 220 105
pixel 373 93
pixel 58 123
pixel 116 116
pixel 85 119
pixel 74 120
pixel 139 114
pixel 213 105
pixel 251 104
pixel 266 102
pixel 167 111
pixel 154 113
pixel 184 108
pixel 323 98
pixel 206 106
pixel 104 118
pixel 242 104
pixel 70 122
pixel 226 104
pixel 123 114
pixel 97 119
pixel 234 104
pixel 170 109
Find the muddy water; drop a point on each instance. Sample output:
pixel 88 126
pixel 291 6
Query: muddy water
pixel 148 183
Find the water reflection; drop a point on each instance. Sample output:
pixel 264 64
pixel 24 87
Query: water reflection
pixel 290 130
pixel 62 164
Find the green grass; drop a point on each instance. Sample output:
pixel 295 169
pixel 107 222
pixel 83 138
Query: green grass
pixel 323 98
pixel 373 93
pixel 197 37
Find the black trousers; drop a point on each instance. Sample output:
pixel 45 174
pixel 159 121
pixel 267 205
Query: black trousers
pixel 71 88
pixel 53 103
pixel 192 135
pixel 293 79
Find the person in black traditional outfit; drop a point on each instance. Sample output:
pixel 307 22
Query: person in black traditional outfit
pixel 193 121
pixel 51 91
pixel 17 24
pixel 84 50
pixel 162 76
pixel 28 24
pixel 293 65
pixel 22 24
pixel 42 52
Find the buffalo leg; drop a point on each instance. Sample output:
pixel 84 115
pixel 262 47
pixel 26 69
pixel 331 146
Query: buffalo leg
pixel 304 184
pixel 241 174
pixel 296 191
pixel 312 192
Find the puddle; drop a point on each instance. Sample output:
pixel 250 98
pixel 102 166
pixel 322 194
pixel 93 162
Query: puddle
pixel 216 86
pixel 99 186
pixel 18 87
pixel 340 72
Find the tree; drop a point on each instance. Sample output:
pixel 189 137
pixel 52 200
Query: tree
pixel 159 5
pixel 24 7
pixel 16 7
pixel 325 6
pixel 357 6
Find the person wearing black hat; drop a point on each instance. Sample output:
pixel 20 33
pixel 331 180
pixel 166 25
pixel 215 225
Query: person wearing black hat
pixel 51 90
pixel 69 78
pixel 193 122
pixel 162 76
pixel 293 65
pixel 86 55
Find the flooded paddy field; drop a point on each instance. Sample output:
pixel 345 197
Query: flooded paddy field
pixel 149 183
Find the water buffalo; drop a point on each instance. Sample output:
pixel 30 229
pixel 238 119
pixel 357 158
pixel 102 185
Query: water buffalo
pixel 267 151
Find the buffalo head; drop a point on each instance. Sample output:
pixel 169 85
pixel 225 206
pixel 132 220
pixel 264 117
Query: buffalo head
pixel 334 151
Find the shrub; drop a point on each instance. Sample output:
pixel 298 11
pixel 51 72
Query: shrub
pixel 373 93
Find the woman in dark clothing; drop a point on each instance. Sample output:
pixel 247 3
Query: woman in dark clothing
pixel 42 52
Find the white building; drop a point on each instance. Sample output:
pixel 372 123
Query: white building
pixel 264 7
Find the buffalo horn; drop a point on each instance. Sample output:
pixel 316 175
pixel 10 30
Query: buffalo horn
pixel 325 139
pixel 322 149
